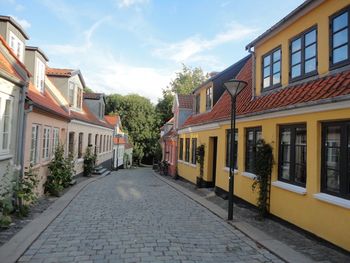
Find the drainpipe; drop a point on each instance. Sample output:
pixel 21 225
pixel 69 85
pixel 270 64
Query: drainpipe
pixel 22 127
pixel 252 52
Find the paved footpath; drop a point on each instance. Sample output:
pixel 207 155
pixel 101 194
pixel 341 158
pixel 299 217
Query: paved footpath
pixel 131 216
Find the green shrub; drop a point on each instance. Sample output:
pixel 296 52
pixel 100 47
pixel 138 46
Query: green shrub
pixel 89 161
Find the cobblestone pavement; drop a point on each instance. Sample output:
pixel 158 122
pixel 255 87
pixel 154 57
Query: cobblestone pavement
pixel 131 216
pixel 314 248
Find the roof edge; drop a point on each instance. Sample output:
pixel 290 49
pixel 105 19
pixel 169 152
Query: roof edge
pixel 15 24
pixel 40 51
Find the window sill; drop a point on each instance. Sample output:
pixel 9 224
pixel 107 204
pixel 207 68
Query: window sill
pixel 227 169
pixel 334 200
pixel 187 163
pixel 290 187
pixel 6 157
pixel 249 175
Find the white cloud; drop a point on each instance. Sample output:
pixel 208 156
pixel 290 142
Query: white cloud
pixel 23 22
pixel 128 3
pixel 189 48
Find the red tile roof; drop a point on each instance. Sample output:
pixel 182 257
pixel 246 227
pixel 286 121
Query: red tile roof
pixel 171 133
pixel 112 119
pixel 118 140
pixel 171 121
pixel 327 87
pixel 185 101
pixel 87 116
pixel 59 72
pixel 7 66
pixel 45 102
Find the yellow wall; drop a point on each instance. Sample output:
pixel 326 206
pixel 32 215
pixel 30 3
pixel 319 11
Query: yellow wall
pixel 319 16
pixel 302 210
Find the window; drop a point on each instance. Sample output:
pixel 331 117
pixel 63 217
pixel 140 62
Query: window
pixel 228 148
pixel 187 150
pixel 100 145
pixel 339 38
pixel 335 179
pixel 89 139
pixel 96 141
pixel 80 145
pixel 198 101
pixel 79 97
pixel 194 149
pixel 209 98
pixel 17 46
pixel 292 154
pixel 5 122
pixel 46 143
pixel 252 137
pixel 303 55
pixel 71 94
pixel 34 147
pixel 181 149
pixel 71 142
pixel 55 139
pixel 40 75
pixel 104 143
pixel 271 69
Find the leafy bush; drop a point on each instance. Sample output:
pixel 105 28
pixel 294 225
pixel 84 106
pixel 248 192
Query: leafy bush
pixel 263 169
pixel 200 152
pixel 89 161
pixel 61 170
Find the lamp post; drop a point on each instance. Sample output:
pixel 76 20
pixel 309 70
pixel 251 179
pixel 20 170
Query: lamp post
pixel 234 87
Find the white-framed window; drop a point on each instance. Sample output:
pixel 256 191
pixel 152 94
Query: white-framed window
pixel 46 143
pixel 39 75
pixel 6 104
pixel 55 139
pixel 16 45
pixel 79 97
pixel 34 147
pixel 75 95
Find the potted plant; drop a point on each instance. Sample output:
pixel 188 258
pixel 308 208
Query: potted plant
pixel 200 152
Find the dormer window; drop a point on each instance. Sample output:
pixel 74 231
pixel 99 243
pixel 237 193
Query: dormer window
pixel 271 69
pixel 40 75
pixel 75 95
pixel 209 98
pixel 16 45
pixel 197 103
pixel 101 110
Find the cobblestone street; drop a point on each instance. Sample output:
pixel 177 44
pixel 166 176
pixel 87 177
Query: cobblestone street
pixel 131 216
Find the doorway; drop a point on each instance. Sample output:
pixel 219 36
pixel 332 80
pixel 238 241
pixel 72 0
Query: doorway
pixel 213 158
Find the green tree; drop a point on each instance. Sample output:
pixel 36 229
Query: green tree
pixel 187 80
pixel 141 121
pixel 88 89
pixel 164 107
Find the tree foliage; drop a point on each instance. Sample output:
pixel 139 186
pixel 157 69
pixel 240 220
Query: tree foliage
pixel 164 107
pixel 140 120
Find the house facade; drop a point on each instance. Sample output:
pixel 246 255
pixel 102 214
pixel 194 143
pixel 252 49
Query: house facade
pixel 87 127
pixel 297 100
pixel 14 80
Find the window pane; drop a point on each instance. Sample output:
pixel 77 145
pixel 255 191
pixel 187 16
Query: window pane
pixel 340 22
pixel 267 82
pixel 266 72
pixel 296 58
pixel 310 51
pixel 340 38
pixel 285 168
pixel 250 136
pixel 300 155
pixel 296 45
pixel 340 54
pixel 332 183
pixel 277 55
pixel 333 136
pixel 267 61
pixel 310 37
pixel 258 135
pixel 276 67
pixel 286 136
pixel 276 78
pixel 310 65
pixel 296 71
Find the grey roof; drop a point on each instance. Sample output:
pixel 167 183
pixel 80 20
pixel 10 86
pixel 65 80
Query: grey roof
pixel 15 24
pixel 38 50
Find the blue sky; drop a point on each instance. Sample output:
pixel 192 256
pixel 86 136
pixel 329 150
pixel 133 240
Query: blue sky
pixel 136 46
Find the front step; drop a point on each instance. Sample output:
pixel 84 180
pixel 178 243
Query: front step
pixel 99 170
pixel 107 172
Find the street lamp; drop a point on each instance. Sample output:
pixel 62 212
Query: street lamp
pixel 234 87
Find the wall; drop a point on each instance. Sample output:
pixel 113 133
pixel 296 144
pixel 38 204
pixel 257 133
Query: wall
pixel 94 106
pixel 86 128
pixel 118 151
pixel 302 210
pixel 43 119
pixel 319 16
pixel 30 62
pixel 8 160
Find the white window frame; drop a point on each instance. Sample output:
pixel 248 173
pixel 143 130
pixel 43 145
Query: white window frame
pixel 46 143
pixel 39 75
pixel 55 139
pixel 3 99
pixel 16 45
pixel 71 94
pixel 34 147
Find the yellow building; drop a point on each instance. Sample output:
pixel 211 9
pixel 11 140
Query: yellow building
pixel 298 101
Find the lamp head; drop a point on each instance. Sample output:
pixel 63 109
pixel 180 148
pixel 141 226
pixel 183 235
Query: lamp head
pixel 235 86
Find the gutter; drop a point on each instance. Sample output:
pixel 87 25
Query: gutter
pixel 253 54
